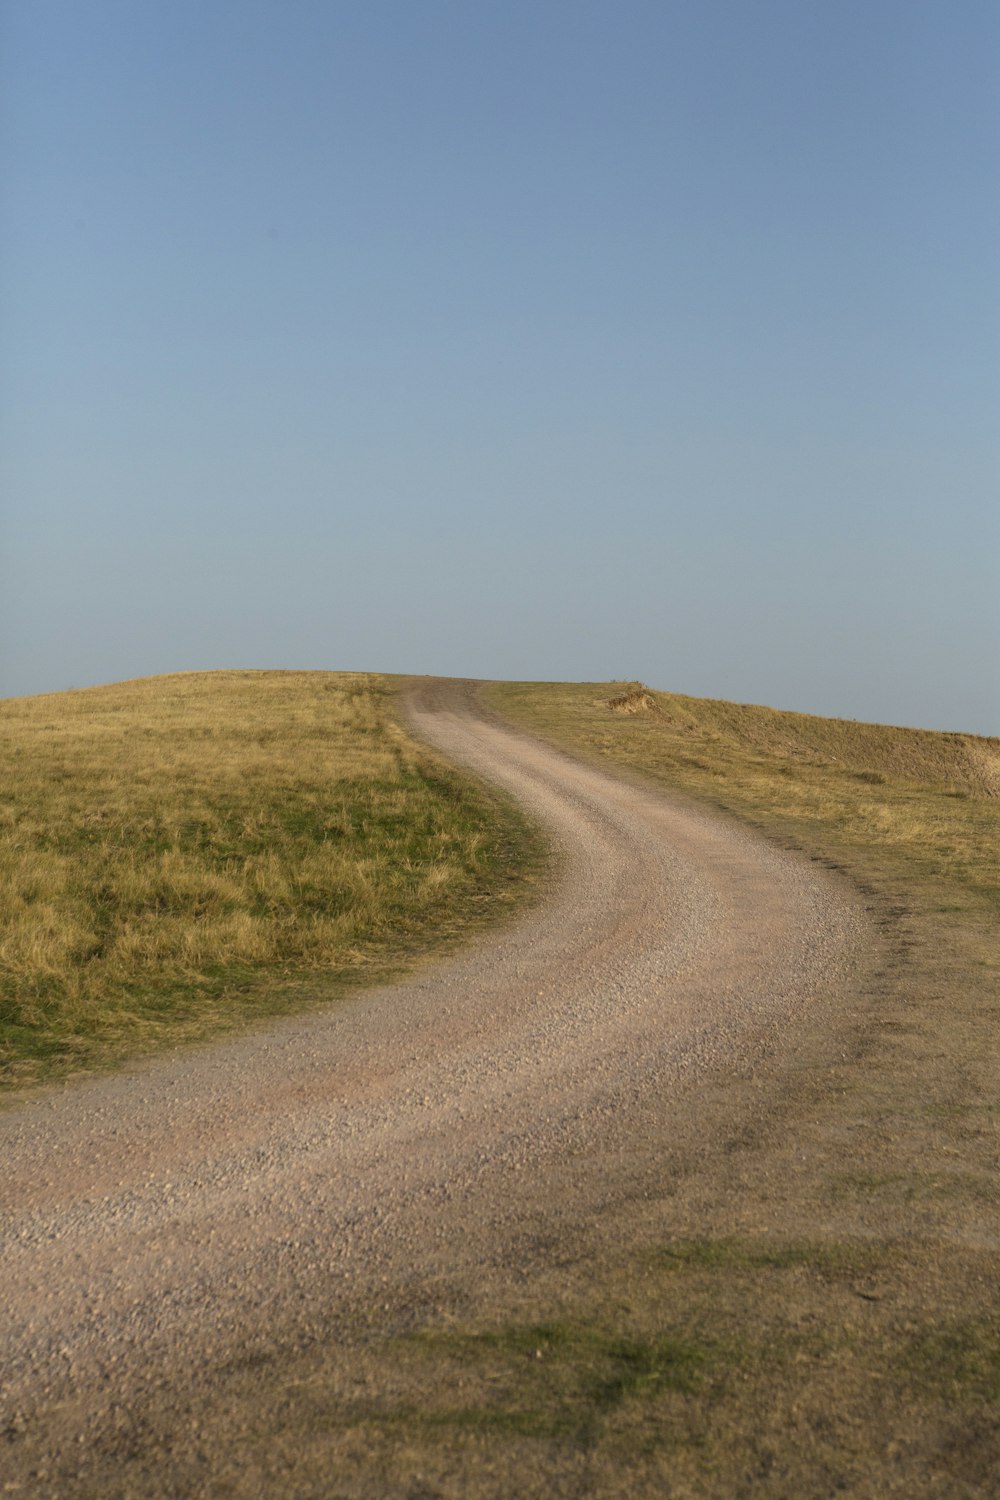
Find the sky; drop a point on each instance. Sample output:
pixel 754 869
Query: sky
pixel 570 340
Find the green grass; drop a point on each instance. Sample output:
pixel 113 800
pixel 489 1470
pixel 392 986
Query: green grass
pixel 736 1365
pixel 733 1366
pixel 555 1379
pixel 181 854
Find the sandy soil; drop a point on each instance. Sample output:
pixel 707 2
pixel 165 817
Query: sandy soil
pixel 211 1218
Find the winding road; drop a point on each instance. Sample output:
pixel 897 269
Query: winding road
pixel 172 1229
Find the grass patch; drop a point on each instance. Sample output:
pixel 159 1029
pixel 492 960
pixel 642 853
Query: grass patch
pixel 863 1326
pixel 925 804
pixel 726 1357
pixel 546 1380
pixel 180 854
pixel 603 1367
pixel 827 1259
pixel 807 1303
pixel 960 1361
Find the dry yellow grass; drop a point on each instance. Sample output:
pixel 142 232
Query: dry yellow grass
pixel 803 1300
pixel 923 804
pixel 813 1305
pixel 808 1304
pixel 177 853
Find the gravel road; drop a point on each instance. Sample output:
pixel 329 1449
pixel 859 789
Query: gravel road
pixel 225 1208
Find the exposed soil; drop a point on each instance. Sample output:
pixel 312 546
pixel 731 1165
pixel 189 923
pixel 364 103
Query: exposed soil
pixel 192 1251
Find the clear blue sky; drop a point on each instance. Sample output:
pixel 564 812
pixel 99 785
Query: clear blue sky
pixel 520 339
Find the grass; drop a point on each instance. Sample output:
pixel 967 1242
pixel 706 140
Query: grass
pixel 180 854
pixel 557 1379
pixel 740 1365
pixel 860 1333
pixel 909 803
pixel 805 1298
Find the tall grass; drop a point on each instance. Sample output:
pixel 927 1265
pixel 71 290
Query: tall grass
pixel 179 852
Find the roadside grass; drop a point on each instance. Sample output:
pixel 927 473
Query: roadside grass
pixel 854 1346
pixel 797 1293
pixel 714 1366
pixel 555 1379
pixel 917 805
pixel 181 854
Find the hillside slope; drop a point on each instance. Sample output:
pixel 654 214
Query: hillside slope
pixel 927 802
pixel 180 854
pixel 882 1148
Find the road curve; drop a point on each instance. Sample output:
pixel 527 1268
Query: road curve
pixel 378 1161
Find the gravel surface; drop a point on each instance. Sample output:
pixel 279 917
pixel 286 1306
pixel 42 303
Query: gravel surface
pixel 356 1169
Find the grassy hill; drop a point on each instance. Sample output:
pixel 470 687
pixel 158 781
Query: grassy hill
pixel 812 1306
pixel 806 1303
pixel 916 803
pixel 180 854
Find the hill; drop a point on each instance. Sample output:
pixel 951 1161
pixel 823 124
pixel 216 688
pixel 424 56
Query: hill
pixel 180 854
pixel 910 803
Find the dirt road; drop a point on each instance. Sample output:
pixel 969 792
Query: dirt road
pixel 179 1239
